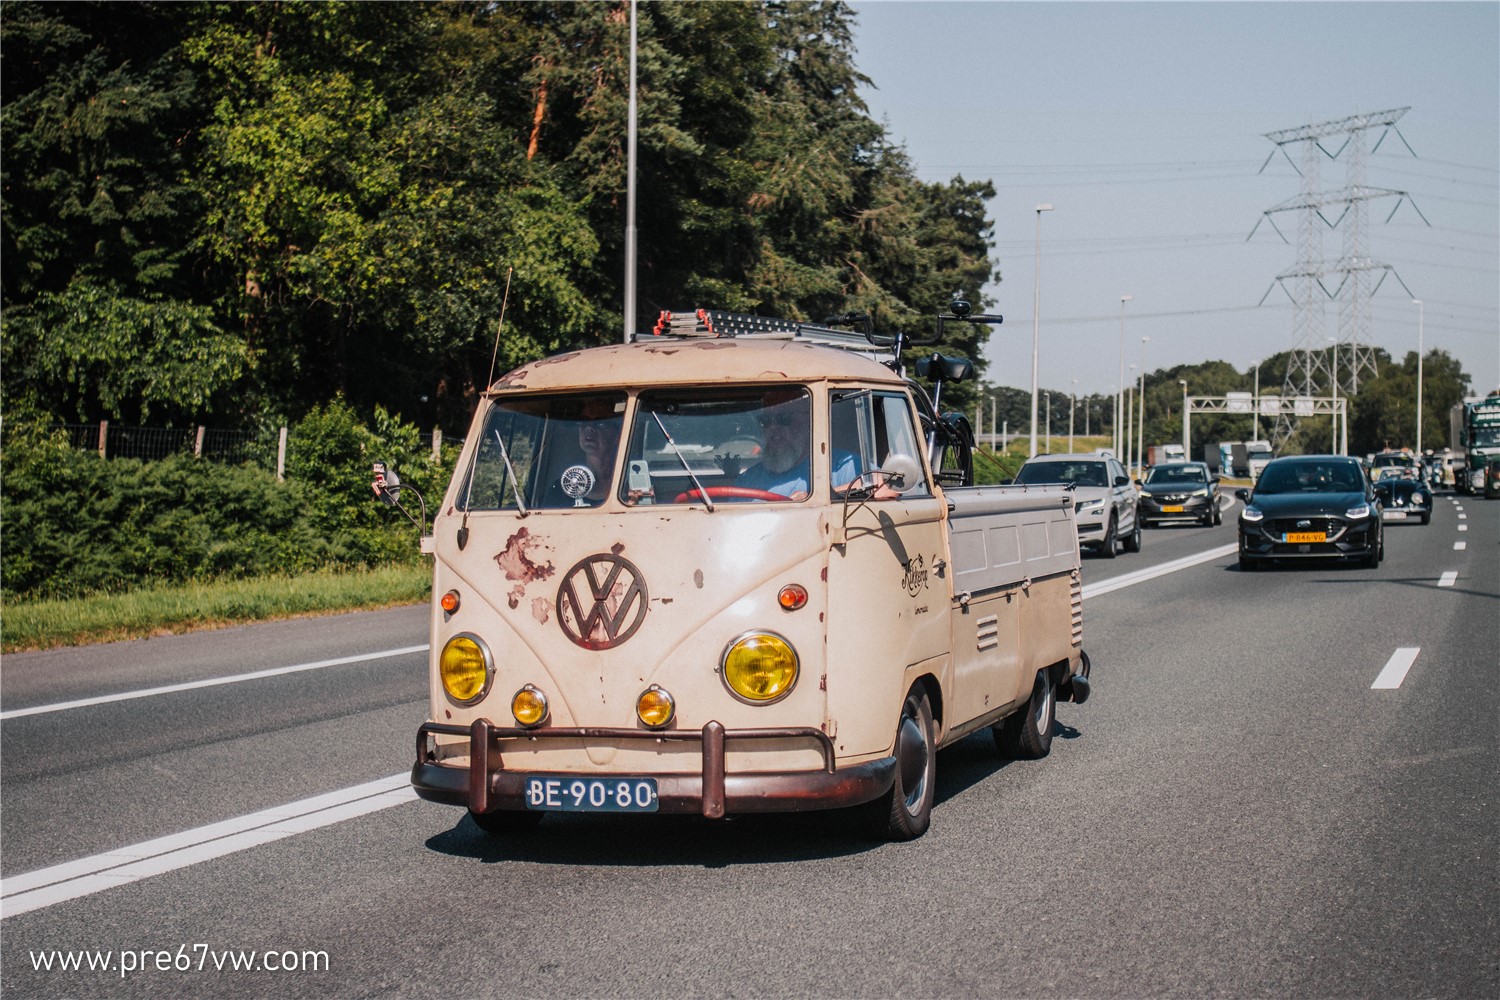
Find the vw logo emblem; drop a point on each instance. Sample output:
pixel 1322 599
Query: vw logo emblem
pixel 1304 524
pixel 601 601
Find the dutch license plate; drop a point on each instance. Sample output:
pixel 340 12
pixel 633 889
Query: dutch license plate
pixel 1306 536
pixel 563 793
pixel 1172 509
pixel 1395 515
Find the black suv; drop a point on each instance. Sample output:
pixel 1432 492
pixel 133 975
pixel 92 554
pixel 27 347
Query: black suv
pixel 1180 491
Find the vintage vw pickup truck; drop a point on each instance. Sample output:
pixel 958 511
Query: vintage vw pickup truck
pixel 723 569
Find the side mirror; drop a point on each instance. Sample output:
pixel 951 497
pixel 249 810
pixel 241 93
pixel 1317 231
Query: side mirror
pixel 1242 494
pixel 1122 480
pixel 902 472
pixel 387 485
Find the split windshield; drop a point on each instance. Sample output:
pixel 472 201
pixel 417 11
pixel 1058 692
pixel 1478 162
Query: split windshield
pixel 741 445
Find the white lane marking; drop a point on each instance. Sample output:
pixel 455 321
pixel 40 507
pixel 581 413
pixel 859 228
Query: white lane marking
pixel 1394 671
pixel 1460 546
pixel 46 886
pixel 1463 527
pixel 63 706
pixel 1463 517
pixel 1448 579
pixel 1151 573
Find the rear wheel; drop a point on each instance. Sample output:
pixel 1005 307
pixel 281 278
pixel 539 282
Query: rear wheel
pixel 507 823
pixel 905 812
pixel 1133 540
pixel 1027 735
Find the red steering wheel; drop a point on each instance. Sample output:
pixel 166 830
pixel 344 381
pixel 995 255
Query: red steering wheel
pixel 729 492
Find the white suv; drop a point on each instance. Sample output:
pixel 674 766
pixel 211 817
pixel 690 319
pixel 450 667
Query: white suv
pixel 1103 496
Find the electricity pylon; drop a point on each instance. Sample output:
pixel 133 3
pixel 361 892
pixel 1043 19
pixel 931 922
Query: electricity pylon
pixel 1311 368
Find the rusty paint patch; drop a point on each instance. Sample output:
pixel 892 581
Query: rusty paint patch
pixel 515 559
pixel 617 548
pixel 557 359
pixel 541 609
pixel 698 578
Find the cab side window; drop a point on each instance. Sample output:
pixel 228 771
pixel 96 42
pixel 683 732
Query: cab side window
pixel 873 431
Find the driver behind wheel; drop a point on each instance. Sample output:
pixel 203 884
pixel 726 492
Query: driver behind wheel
pixel 784 467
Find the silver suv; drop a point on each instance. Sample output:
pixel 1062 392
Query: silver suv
pixel 1103 496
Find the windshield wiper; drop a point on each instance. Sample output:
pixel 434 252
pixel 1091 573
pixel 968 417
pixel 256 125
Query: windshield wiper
pixel 702 492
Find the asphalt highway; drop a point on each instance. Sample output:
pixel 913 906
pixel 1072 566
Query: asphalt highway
pixel 1283 785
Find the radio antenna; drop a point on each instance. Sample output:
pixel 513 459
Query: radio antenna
pixel 463 526
pixel 500 328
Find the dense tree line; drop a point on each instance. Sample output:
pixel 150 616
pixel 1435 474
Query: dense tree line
pixel 221 211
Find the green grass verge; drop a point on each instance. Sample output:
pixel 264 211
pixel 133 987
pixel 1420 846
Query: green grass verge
pixel 27 625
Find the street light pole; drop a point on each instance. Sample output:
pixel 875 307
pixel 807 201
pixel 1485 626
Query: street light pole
pixel 1129 438
pixel 1140 454
pixel 1187 449
pixel 1418 304
pixel 1335 442
pixel 1072 409
pixel 1120 392
pixel 1036 312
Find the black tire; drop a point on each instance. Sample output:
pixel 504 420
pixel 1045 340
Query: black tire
pixel 905 812
pixel 1133 540
pixel 1027 734
pixel 1248 565
pixel 1107 546
pixel 1427 518
pixel 1218 514
pixel 507 823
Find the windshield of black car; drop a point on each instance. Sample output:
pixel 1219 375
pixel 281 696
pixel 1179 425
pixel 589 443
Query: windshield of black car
pixel 1310 477
pixel 1077 473
pixel 1167 474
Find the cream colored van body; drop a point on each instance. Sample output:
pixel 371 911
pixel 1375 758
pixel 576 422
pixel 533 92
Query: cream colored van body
pixel 885 596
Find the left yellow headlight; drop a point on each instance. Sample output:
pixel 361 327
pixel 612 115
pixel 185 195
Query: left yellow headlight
pixel 466 669
pixel 760 667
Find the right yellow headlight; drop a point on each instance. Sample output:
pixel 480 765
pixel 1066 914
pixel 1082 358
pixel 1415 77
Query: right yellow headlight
pixel 465 668
pixel 760 667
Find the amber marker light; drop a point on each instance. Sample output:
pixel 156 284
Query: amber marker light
pixel 529 706
pixel 655 707
pixel 449 601
pixel 792 597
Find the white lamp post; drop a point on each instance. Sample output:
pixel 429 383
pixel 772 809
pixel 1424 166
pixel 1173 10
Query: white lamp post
pixel 1129 438
pixel 1335 443
pixel 1187 449
pixel 1072 409
pixel 1036 311
pixel 1140 454
pixel 1120 392
pixel 1418 304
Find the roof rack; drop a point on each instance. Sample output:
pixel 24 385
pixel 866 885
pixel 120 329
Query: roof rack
pixel 716 323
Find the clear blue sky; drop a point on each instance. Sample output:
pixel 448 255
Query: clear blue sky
pixel 1144 125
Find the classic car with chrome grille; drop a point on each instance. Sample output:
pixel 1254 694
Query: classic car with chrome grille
pixel 1311 507
pixel 1404 498
pixel 734 566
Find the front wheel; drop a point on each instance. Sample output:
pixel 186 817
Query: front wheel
pixel 905 812
pixel 1107 547
pixel 1027 735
